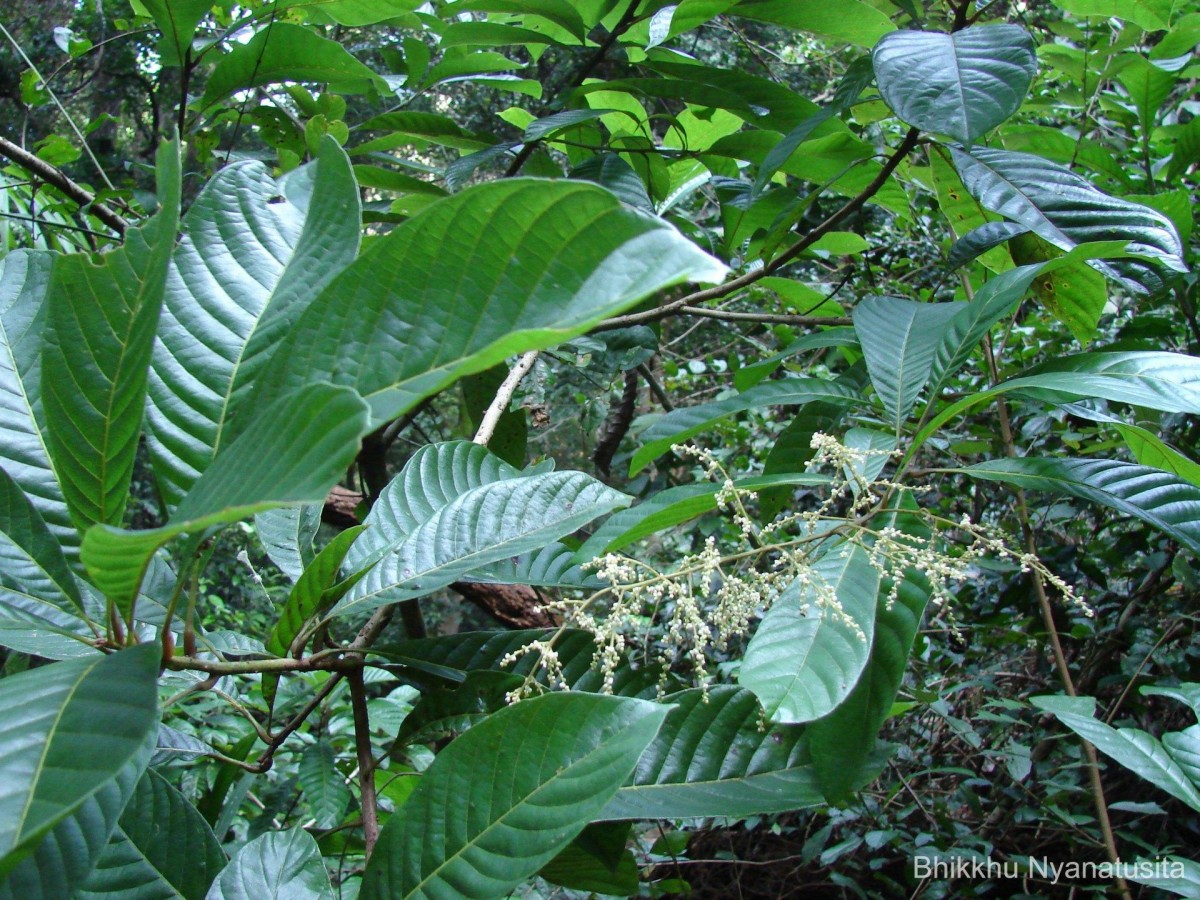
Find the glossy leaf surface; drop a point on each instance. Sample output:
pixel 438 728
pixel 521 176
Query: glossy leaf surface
pixel 507 796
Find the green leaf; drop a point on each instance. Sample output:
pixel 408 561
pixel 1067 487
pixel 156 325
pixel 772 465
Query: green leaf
pixel 297 450
pixel 162 847
pixel 610 171
pixel 851 21
pixel 468 831
pixel 963 84
pixel 436 475
pixel 24 454
pixel 1187 693
pixel 679 425
pixel 854 82
pixel 1166 381
pixel 841 742
pixel 74 739
pixel 674 506
pixel 900 339
pixel 712 758
pixel 1152 15
pixel 992 302
pixel 495 270
pixel 36 584
pixel 276 864
pixel 313 592
pixel 1149 84
pixel 1147 448
pixel 978 241
pixel 1173 873
pixel 100 323
pixel 480 527
pixel 596 861
pixel 254 254
pixel 1158 498
pixel 285 52
pixel 355 13
pixel 287 536
pixel 177 20
pixel 324 787
pixel 1131 747
pixel 1066 210
pixel 805 656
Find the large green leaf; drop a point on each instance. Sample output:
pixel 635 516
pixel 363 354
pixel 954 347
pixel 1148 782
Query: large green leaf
pixel 480 527
pixel 1166 381
pixel 100 323
pixel 285 52
pixel 162 847
pixel 74 739
pixel 852 21
pixel 842 741
pixel 24 454
pixel 963 84
pixel 712 758
pixel 38 592
pixel 508 795
pixel 1158 498
pixel 177 20
pixel 497 269
pixel 296 451
pixel 1131 747
pixel 254 254
pixel 900 339
pixel 805 657
pixel 681 424
pixel 1066 210
pixel 433 477
pixel 277 864
pixel 355 13
pixel 1173 873
pixel 992 302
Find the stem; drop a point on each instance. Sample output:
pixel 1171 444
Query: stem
pixel 366 760
pixel 499 404
pixel 1047 611
pixel 723 290
pixel 55 176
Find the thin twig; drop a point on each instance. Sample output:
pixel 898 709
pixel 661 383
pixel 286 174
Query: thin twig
pixel 1047 611
pixel 724 290
pixel 62 109
pixel 504 395
pixel 366 760
pixel 765 318
pixel 55 176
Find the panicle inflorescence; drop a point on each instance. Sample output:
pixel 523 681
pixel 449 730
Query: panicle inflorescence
pixel 709 599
